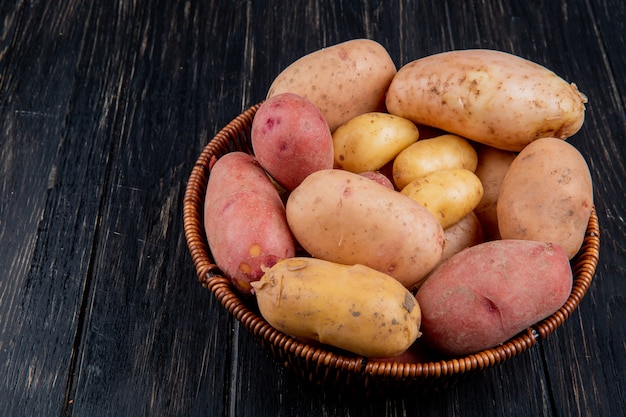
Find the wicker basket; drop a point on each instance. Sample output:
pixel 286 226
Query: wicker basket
pixel 323 365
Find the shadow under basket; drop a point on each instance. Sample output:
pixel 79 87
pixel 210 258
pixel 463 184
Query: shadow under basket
pixel 322 364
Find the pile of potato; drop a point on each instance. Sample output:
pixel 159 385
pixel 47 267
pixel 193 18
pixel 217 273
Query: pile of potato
pixel 438 200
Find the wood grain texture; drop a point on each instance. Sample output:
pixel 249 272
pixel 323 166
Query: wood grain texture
pixel 104 107
pixel 50 194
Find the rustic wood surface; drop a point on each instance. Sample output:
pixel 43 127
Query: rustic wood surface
pixel 104 107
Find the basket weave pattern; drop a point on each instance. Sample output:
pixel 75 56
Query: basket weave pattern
pixel 325 366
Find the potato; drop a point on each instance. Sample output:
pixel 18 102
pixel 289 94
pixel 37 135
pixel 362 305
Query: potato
pixel 428 155
pixel 355 308
pixel 291 139
pixel 346 218
pixel 490 97
pixel 245 220
pixel 343 80
pixel 378 177
pixel 493 165
pixel 484 295
pixel 546 195
pixel 371 140
pixel 449 194
pixel 463 234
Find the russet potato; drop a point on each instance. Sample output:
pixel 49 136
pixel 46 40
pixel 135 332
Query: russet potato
pixel 546 195
pixel 488 96
pixel 343 217
pixel 343 80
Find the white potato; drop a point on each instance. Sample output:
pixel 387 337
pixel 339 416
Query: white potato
pixel 488 96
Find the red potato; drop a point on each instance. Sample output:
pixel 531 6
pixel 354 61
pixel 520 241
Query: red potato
pixel 291 139
pixel 378 177
pixel 245 220
pixel 488 293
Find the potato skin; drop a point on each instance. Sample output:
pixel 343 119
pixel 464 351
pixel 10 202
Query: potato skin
pixel 346 218
pixel 244 220
pixel 355 308
pixel 371 140
pixel 434 154
pixel 493 165
pixel 464 92
pixel 378 177
pixel 291 139
pixel 343 80
pixel 546 195
pixel 486 294
pixel 463 234
pixel 450 194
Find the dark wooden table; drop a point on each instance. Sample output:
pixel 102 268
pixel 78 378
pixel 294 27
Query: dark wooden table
pixel 104 107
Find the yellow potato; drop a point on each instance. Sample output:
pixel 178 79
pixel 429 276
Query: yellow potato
pixel 490 97
pixel 371 140
pixel 493 165
pixel 449 194
pixel 346 218
pixel 547 195
pixel 355 308
pixel 343 80
pixel 428 155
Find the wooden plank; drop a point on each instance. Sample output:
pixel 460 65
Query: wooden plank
pixel 156 342
pixel 610 30
pixel 498 391
pixel 581 380
pixel 50 198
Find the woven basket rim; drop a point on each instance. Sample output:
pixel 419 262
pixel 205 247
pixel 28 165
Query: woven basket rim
pixel 235 135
